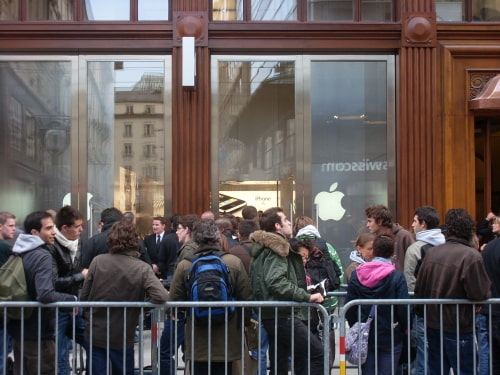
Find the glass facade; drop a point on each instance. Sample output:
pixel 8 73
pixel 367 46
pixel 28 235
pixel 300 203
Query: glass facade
pixel 36 112
pixel 306 134
pixel 115 140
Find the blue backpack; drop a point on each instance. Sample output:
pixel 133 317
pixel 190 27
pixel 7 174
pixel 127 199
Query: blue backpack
pixel 209 280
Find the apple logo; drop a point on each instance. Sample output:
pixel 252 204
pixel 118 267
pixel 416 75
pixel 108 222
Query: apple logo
pixel 329 204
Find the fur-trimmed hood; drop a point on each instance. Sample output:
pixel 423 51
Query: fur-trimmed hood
pixel 270 240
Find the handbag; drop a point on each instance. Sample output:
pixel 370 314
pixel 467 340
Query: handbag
pixel 356 341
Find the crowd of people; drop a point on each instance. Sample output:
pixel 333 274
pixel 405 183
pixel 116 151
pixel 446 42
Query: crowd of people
pixel 269 259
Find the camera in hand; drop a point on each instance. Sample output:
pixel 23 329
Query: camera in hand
pixel 321 287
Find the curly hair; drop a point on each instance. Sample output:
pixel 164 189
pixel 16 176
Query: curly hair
pixel 459 224
pixel 383 246
pixel 205 232
pixel 381 214
pixel 122 237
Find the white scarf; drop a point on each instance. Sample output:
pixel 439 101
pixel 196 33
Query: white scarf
pixel 71 245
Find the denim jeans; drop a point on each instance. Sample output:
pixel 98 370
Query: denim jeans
pixel 280 343
pixel 168 347
pixel 385 360
pixel 420 359
pixel 260 355
pixel 99 361
pixel 483 344
pixel 446 357
pixel 3 358
pixel 64 334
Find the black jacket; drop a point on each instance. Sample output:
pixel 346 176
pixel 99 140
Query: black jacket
pixel 69 276
pixel 97 245
pixel 491 260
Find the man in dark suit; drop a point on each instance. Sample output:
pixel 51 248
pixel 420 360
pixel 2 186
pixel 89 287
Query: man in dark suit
pixel 167 253
pixel 154 240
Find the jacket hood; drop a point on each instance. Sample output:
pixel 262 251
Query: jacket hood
pixel 355 256
pixel 370 274
pixel 431 236
pixel 308 231
pixel 273 241
pixel 396 228
pixel 26 242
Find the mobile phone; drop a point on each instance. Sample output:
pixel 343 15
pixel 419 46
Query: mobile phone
pixel 230 204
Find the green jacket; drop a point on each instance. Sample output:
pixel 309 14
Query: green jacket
pixel 277 274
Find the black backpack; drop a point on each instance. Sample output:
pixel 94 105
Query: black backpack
pixel 423 251
pixel 209 280
pixel 321 266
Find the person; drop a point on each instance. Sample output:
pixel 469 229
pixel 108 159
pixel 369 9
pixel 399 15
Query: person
pixel 215 353
pixel 7 231
pixel 491 260
pixel 96 244
pixel 226 229
pixel 167 253
pixel 34 337
pixel 484 229
pixel 452 270
pixel 173 334
pixel 242 251
pixel 66 252
pixel 379 221
pixel 379 279
pixel 250 213
pixel 208 215
pixel 277 274
pixel 117 276
pixel 428 234
pixel 304 232
pixel 362 254
pixel 153 242
pixel 495 231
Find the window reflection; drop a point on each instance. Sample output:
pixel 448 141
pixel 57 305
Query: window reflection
pixel 350 166
pixel 109 10
pixel 256 108
pixel 8 10
pixel 274 10
pixel 376 10
pixel 227 10
pixel 53 10
pixel 35 116
pixel 126 132
pixel 329 10
pixel 483 10
pixel 152 10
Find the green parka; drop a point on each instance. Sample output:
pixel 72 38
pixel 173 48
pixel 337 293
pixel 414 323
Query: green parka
pixel 277 274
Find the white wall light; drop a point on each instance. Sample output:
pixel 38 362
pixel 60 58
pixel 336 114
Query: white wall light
pixel 188 61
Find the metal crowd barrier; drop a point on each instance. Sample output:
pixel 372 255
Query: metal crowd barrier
pixel 148 353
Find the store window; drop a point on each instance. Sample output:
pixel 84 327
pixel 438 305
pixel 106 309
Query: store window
pixel 52 10
pixel 123 171
pixel 35 121
pixel 153 10
pixel 312 135
pixel 109 10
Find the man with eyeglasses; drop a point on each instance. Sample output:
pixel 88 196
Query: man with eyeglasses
pixel 173 333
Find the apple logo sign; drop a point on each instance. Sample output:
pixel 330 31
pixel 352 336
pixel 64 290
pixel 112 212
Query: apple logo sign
pixel 329 204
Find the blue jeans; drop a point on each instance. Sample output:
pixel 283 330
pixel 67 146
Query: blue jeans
pixel 446 357
pixel 99 361
pixel 4 336
pixel 386 359
pixel 483 344
pixel 168 347
pixel 260 355
pixel 64 334
pixel 419 329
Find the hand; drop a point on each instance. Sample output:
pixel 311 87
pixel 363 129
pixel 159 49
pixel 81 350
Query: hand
pixel 316 297
pixel 156 269
pixel 490 216
pixel 85 271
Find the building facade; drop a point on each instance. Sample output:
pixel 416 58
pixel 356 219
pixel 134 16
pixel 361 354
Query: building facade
pixel 322 107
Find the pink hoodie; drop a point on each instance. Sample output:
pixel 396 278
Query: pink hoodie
pixel 370 273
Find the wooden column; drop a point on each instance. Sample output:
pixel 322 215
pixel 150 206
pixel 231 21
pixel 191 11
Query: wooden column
pixel 191 112
pixel 418 133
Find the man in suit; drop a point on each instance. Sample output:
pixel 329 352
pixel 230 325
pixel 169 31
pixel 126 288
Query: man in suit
pixel 153 242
